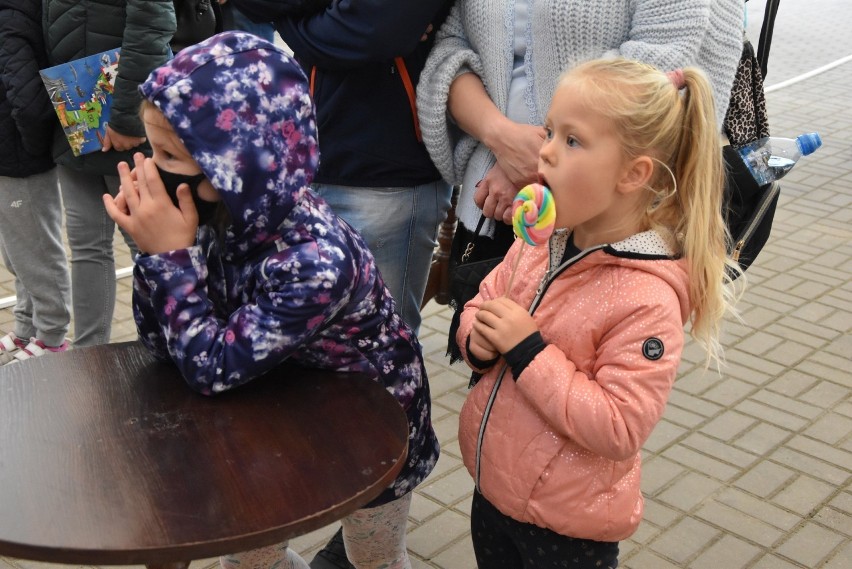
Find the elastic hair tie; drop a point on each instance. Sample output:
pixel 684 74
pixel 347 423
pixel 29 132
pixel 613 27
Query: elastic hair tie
pixel 677 78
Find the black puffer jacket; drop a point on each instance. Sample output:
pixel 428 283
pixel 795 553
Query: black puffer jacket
pixel 360 55
pixel 26 115
pixel 141 28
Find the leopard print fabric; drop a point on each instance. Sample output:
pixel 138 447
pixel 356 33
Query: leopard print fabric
pixel 746 120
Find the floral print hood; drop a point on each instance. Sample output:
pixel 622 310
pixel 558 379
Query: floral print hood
pixel 239 104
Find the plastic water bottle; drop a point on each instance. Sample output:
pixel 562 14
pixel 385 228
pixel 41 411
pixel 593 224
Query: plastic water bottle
pixel 771 157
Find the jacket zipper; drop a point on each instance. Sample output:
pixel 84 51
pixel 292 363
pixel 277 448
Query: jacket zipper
pixel 548 277
pixel 485 416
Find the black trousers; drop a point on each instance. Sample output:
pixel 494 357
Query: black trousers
pixel 501 542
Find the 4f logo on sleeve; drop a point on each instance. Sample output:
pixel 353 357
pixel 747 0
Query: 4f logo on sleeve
pixel 653 348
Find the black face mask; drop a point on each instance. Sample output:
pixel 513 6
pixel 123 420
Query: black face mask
pixel 206 209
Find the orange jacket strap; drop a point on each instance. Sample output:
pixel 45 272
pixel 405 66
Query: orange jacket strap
pixel 412 99
pixel 409 90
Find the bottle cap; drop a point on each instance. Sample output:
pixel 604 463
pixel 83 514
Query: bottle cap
pixel 808 142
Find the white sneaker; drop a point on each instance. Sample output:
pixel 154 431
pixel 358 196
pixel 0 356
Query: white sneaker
pixel 37 348
pixel 9 346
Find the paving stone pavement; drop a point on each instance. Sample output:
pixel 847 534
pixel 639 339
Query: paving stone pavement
pixel 749 468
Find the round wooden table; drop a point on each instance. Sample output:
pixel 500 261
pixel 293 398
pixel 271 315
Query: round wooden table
pixel 107 457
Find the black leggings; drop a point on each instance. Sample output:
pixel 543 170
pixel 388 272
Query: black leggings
pixel 501 542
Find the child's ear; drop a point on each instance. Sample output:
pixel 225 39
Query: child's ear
pixel 636 175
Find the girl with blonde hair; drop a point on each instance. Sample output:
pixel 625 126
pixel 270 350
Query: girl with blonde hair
pixel 579 358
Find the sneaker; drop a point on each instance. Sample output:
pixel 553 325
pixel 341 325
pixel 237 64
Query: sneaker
pixel 37 348
pixel 333 555
pixel 9 346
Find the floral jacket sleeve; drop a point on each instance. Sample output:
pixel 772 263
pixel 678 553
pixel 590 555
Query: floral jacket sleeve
pixel 296 292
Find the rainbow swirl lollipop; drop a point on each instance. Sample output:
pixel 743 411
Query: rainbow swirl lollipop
pixel 534 214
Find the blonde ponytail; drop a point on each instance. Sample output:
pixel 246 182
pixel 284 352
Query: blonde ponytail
pixel 671 118
pixel 701 176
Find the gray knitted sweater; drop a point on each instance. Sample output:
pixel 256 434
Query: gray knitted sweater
pixel 478 37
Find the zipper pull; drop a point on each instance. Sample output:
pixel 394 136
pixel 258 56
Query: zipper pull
pixel 541 283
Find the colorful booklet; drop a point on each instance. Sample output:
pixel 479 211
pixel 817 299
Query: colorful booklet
pixel 81 91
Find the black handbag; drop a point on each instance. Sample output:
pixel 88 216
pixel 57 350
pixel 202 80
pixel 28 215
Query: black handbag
pixel 465 278
pixel 750 210
pixel 197 20
pixel 749 207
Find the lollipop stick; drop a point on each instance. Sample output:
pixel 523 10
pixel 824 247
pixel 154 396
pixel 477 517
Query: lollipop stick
pixel 515 269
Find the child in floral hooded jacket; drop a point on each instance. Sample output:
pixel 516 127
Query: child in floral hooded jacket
pixel 243 267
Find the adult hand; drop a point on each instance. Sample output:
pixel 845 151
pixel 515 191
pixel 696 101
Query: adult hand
pixel 494 195
pixel 503 323
pixel 516 145
pixel 516 149
pixel 144 210
pixel 116 140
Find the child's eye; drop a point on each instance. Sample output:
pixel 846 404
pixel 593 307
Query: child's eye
pixel 572 141
pixel 548 133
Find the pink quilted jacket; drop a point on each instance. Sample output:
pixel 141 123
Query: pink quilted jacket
pixel 560 446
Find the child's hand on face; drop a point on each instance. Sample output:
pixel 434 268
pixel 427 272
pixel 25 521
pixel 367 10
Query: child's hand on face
pixel 503 323
pixel 144 210
pixel 119 200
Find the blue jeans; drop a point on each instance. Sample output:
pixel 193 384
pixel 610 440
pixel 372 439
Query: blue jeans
pixel 264 30
pixel 400 226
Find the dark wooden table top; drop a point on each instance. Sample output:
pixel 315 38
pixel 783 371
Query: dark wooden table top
pixel 107 457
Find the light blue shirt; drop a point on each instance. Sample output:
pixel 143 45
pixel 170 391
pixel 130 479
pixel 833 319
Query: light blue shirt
pixel 520 108
pixel 517 109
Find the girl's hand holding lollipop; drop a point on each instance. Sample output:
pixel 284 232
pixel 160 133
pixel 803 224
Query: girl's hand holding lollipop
pixel 501 323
